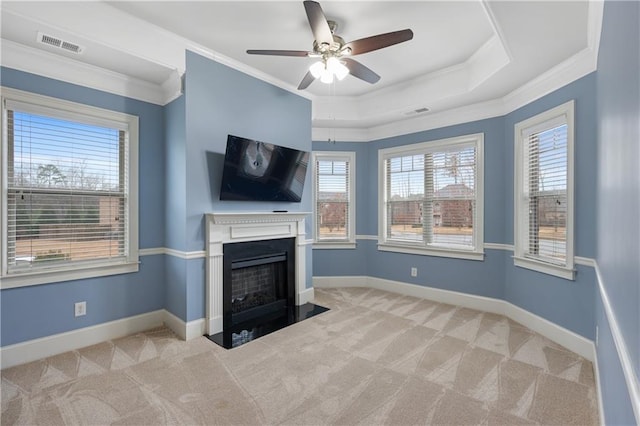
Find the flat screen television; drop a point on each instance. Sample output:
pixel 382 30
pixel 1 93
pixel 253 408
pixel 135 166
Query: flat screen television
pixel 260 171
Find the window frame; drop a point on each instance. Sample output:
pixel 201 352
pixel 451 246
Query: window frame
pixel 350 158
pixel 69 110
pixel 421 248
pixel 565 113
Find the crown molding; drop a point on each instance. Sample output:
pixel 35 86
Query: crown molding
pixel 577 66
pixel 36 61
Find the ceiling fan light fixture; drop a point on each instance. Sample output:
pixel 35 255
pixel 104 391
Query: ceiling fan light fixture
pixel 317 69
pixel 326 77
pixel 330 47
pixel 338 68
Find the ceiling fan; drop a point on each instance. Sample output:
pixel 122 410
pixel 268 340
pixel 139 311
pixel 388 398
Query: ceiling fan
pixel 334 53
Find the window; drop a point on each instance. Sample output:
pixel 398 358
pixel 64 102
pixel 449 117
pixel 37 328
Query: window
pixel 544 192
pixel 69 196
pixel 432 198
pixel 334 205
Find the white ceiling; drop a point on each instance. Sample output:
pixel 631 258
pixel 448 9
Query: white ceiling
pixel 468 59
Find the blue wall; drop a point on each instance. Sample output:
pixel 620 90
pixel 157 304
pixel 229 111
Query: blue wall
pixel 42 310
pixel 180 152
pixel 618 202
pixel 566 303
pixel 218 101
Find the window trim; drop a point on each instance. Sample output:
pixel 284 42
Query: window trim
pixel 477 253
pixel 566 111
pixel 69 110
pixel 350 241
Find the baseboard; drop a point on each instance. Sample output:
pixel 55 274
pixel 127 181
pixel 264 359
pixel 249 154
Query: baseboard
pixel 553 332
pixel 185 330
pixel 340 281
pixel 305 296
pixel 486 304
pixel 596 373
pixel 32 350
pixel 560 335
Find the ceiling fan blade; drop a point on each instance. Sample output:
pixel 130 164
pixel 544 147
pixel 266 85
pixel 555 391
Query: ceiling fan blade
pixel 379 41
pixel 301 53
pixel 318 22
pixel 306 81
pixel 356 69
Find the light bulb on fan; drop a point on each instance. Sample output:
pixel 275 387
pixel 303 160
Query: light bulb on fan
pixel 326 77
pixel 336 67
pixel 317 69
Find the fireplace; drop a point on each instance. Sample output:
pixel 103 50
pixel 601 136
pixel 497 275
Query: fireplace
pixel 265 254
pixel 258 279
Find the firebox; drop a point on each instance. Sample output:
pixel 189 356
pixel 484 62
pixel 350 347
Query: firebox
pixel 258 279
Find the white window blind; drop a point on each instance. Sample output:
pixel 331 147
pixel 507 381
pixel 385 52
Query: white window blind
pixel 544 192
pixel 67 180
pixel 333 189
pixel 432 193
pixel 547 193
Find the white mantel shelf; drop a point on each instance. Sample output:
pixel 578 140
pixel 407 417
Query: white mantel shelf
pixel 231 227
pixel 225 218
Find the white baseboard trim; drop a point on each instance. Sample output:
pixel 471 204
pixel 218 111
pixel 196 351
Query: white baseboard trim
pixel 305 296
pixel 560 335
pixel 570 340
pixel 340 281
pixel 470 301
pixel 596 373
pixel 184 330
pixel 32 350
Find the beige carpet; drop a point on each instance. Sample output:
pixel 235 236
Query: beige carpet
pixel 375 358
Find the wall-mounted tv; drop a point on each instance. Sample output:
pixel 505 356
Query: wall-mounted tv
pixel 260 171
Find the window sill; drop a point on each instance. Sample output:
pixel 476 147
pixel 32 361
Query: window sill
pixel 333 245
pixel 456 254
pixel 545 268
pixel 30 278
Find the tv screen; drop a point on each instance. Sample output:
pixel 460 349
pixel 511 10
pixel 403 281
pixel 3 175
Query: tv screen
pixel 260 171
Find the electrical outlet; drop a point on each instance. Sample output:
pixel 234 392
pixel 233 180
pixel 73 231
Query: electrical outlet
pixel 80 309
pixel 414 272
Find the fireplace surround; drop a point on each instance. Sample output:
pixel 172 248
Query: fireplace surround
pixel 229 228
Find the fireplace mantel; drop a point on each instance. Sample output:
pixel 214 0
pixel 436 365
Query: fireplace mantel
pixel 230 218
pixel 230 227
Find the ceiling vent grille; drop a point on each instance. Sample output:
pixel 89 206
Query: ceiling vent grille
pixel 59 43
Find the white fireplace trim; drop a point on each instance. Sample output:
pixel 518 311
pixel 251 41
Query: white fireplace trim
pixel 226 227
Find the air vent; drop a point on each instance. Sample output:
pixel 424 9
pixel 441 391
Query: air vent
pixel 417 111
pixel 50 40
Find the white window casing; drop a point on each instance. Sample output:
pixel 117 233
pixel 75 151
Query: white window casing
pixel 334 206
pixel 544 192
pixel 69 182
pixel 431 198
